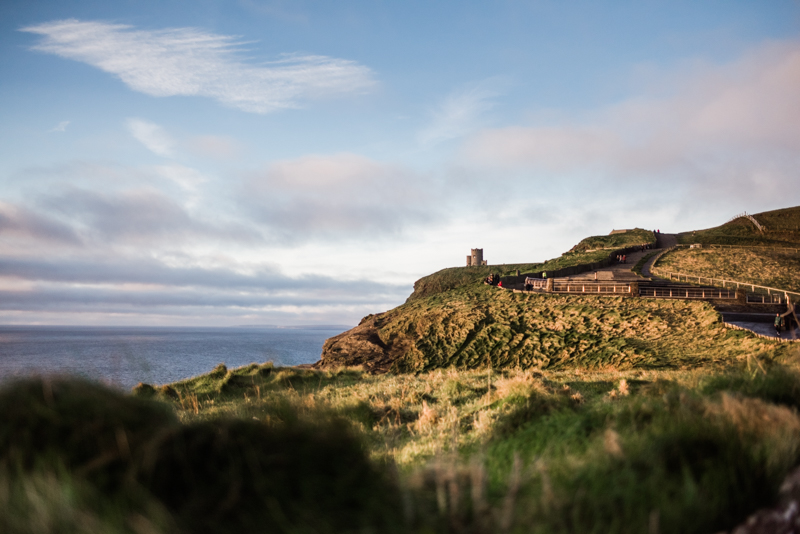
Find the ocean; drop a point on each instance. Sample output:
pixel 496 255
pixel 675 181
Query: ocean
pixel 125 356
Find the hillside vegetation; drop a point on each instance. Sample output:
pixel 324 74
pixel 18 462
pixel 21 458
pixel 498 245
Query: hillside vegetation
pixel 482 326
pixel 636 236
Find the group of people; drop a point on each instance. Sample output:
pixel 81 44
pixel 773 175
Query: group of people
pixel 622 258
pixel 645 246
pixel 493 280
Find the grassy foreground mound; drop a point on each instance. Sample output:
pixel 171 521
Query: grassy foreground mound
pixel 482 326
pixel 118 463
pixel 295 450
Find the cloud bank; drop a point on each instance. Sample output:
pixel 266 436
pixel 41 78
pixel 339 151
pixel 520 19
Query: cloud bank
pixel 191 62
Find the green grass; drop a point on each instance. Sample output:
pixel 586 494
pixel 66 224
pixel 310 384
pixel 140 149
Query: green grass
pixel 476 451
pixel 693 448
pixel 631 238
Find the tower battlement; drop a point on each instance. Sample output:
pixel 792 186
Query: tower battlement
pixel 476 258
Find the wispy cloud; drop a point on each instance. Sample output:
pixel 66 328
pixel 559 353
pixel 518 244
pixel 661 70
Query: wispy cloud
pixel 188 61
pixel 458 114
pixel 152 136
pixel 60 127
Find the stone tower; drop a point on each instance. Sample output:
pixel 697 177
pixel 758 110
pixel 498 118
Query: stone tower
pixel 476 258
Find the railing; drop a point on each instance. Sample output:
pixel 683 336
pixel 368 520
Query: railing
pixel 765 247
pixel 750 218
pixel 686 293
pixel 693 279
pixel 765 299
pixel 591 287
pixel 536 283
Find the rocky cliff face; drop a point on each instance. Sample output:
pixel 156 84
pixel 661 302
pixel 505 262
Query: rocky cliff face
pixel 362 346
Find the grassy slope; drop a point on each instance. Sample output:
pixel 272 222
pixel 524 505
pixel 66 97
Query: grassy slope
pixel 589 250
pixel 782 229
pixel 634 237
pixel 478 326
pixel 776 268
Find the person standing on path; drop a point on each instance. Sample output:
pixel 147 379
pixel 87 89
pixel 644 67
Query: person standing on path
pixel 778 324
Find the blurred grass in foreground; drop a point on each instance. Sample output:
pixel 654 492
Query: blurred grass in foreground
pixel 294 450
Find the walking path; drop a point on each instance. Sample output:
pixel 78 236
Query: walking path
pixel 622 272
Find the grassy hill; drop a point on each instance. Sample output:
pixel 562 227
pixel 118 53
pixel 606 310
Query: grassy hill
pixel 481 326
pixel 776 268
pixel 782 228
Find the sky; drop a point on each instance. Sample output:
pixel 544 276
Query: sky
pixel 249 162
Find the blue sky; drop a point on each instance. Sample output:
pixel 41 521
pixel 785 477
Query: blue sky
pixel 223 163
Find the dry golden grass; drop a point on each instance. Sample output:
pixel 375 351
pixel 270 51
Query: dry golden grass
pixel 772 268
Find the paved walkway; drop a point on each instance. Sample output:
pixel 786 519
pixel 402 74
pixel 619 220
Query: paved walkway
pixel 622 272
pixel 766 329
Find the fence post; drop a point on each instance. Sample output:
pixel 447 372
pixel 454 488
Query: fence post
pixel 741 296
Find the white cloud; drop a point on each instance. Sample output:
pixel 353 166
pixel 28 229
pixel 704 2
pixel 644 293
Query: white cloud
pixel 60 127
pixel 187 61
pixel 459 112
pixel 725 130
pixel 152 136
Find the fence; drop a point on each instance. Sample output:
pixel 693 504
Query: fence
pixel 750 218
pixel 536 283
pixel 692 279
pixel 582 287
pixel 765 247
pixel 686 293
pixel 765 299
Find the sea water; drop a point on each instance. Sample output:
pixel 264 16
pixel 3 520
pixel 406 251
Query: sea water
pixel 125 356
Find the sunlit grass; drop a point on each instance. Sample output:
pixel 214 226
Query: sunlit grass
pixel 776 268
